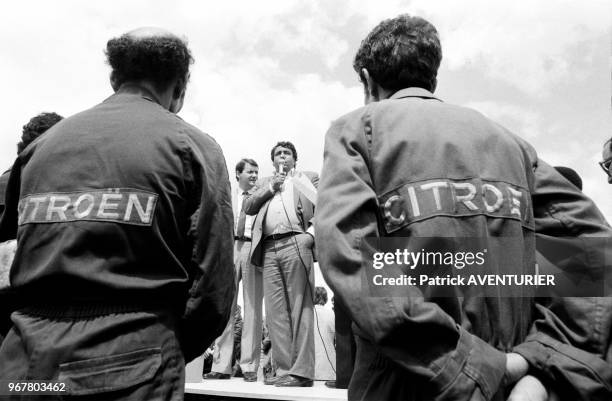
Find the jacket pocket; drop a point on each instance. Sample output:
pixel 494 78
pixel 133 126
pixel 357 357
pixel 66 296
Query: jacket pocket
pixel 110 373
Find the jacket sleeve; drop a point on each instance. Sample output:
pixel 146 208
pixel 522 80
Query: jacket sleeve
pixel 569 345
pixel 212 287
pixel 254 202
pixel 416 335
pixel 314 179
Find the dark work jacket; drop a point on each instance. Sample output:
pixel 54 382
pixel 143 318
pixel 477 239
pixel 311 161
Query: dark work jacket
pixel 124 206
pixel 411 168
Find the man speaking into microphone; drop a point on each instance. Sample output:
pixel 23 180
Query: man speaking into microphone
pixel 282 244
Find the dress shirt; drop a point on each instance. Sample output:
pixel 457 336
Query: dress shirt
pixel 281 206
pixel 237 199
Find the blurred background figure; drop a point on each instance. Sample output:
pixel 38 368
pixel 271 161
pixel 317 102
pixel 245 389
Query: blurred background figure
pixel 325 349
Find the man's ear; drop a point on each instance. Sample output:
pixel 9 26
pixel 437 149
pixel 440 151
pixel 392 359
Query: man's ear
pixel 434 84
pixel 179 88
pixel 371 88
pixel 113 81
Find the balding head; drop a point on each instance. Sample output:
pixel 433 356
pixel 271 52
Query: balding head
pixel 150 32
pixel 149 54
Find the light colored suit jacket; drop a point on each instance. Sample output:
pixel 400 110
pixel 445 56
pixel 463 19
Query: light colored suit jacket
pixel 258 202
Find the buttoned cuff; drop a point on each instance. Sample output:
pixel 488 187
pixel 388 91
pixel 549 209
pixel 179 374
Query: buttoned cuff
pixel 534 352
pixel 476 359
pixel 540 349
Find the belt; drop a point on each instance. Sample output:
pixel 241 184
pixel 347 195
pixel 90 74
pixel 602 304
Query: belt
pixel 280 236
pixel 243 238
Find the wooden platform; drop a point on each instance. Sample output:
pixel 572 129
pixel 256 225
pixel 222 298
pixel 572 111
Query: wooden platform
pixel 237 388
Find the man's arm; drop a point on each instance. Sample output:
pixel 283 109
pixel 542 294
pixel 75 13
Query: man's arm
pixel 262 193
pixel 210 297
pixel 569 346
pixel 417 336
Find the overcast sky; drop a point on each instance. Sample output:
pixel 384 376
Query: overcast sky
pixel 281 70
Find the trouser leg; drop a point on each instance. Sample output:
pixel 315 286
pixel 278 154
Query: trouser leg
pixel 252 291
pixel 277 318
pixel 224 344
pixel 298 267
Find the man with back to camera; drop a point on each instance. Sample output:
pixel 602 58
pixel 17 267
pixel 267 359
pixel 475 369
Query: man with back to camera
pixel 282 246
pixel 124 259
pixel 247 171
pixel 409 166
pixel 37 125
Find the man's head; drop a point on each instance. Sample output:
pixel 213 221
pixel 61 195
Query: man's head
pixel 246 173
pixel 154 56
pixel 399 53
pixel 284 153
pixel 36 127
pixel 607 159
pixel 320 297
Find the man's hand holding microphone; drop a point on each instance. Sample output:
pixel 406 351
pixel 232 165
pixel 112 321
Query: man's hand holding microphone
pixel 279 177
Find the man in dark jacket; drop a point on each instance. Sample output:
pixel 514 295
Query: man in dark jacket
pixel 414 172
pixel 124 258
pixel 37 126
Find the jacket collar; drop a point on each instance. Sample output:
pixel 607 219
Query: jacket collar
pixel 414 92
pixel 134 89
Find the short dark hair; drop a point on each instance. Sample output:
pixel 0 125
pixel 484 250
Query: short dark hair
pixel 159 59
pixel 242 164
pixel 320 297
pixel 37 126
pixel 401 52
pixel 284 144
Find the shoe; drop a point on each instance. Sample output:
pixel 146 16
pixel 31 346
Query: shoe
pixel 272 380
pixel 250 376
pixel 293 381
pixel 216 375
pixel 330 384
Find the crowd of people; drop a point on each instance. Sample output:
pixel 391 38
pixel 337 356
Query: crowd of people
pixel 128 244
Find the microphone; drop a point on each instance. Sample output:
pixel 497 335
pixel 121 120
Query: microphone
pixel 280 169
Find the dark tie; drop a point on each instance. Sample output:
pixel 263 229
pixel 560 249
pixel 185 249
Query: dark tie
pixel 241 218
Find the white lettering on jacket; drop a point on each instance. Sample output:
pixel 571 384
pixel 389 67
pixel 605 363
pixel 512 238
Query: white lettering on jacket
pixel 119 205
pixel 443 197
